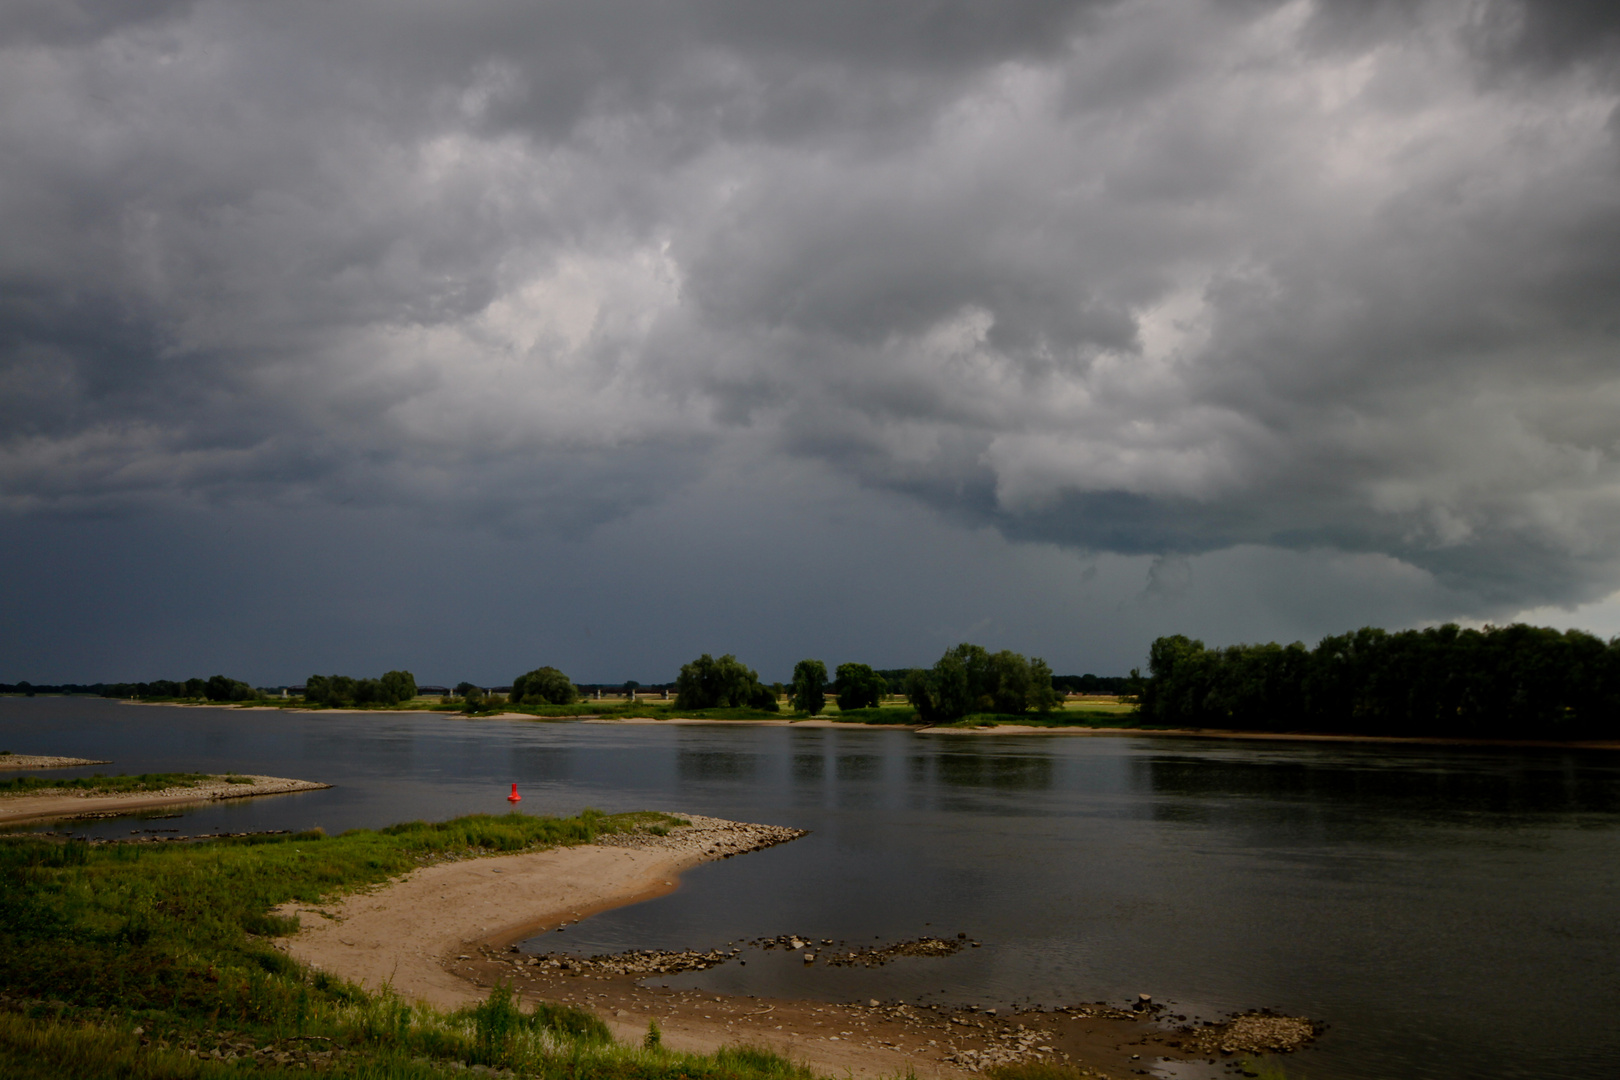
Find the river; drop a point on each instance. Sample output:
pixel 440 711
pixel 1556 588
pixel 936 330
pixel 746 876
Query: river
pixel 1448 912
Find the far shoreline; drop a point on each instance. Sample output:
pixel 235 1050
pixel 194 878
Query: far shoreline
pixel 1019 730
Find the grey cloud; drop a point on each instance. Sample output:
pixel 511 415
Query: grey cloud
pixel 1156 280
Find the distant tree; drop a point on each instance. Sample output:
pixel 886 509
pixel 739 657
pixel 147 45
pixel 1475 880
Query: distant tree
pixel 859 687
pixel 969 679
pixel 464 688
pixel 808 693
pixel 334 691
pixel 399 686
pixel 707 683
pixel 543 686
pixel 219 688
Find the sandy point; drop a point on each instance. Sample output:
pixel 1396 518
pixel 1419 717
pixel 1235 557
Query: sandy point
pixel 404 933
pixel 50 803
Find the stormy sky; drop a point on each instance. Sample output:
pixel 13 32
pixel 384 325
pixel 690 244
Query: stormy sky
pixel 471 336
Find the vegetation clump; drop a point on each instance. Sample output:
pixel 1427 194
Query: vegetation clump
pixel 544 686
pixel 970 679
pixel 338 691
pixel 726 683
pixel 859 687
pixel 1512 682
pixel 808 693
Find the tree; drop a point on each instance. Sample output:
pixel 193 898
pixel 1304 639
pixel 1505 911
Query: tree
pixel 859 687
pixel 398 686
pixel 219 688
pixel 808 692
pixel 333 691
pixel 968 679
pixel 464 688
pixel 543 686
pixel 707 683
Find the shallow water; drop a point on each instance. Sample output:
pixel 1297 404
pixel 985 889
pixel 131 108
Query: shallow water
pixel 1450 912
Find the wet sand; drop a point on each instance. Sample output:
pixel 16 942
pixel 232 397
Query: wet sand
pixel 73 803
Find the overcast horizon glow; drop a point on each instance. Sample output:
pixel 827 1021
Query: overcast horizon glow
pixel 470 337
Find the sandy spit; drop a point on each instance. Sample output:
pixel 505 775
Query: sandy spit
pixel 71 803
pixel 44 761
pixel 408 932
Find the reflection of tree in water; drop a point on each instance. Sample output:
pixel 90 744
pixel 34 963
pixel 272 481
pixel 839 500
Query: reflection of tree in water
pixel 810 767
pixel 715 765
pixel 1007 772
pixel 1511 786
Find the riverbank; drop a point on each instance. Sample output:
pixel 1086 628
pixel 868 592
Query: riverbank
pixel 445 935
pixel 1103 732
pixel 52 803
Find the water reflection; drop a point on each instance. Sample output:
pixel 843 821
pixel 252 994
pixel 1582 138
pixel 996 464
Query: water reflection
pixel 709 765
pixel 1502 788
pixel 979 766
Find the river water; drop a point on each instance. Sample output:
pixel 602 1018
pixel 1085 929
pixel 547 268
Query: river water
pixel 1449 912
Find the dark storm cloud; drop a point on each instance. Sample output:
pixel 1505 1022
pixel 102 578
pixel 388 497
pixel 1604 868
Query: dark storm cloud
pixel 1153 278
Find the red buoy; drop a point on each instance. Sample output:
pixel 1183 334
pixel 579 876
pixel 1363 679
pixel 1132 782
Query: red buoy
pixel 514 797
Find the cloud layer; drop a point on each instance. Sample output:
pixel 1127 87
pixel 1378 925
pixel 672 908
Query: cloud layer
pixel 1150 277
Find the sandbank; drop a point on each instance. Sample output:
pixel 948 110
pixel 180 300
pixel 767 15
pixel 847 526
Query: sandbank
pixel 45 761
pixel 72 803
pixel 445 935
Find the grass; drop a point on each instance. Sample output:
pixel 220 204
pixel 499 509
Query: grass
pixel 121 783
pixel 124 960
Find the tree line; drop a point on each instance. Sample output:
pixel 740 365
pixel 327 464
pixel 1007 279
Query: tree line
pixel 966 680
pixel 1509 682
pixel 213 688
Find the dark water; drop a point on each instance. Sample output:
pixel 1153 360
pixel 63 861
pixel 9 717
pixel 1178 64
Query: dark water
pixel 1451 913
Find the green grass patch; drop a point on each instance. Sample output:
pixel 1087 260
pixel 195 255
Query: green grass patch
pixel 149 961
pixel 121 783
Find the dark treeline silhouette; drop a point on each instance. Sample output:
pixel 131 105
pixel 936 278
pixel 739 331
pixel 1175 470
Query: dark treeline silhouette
pixel 970 679
pixel 29 689
pixel 1510 682
pixel 340 690
pixel 216 688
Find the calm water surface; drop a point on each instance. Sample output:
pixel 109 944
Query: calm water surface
pixel 1451 913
